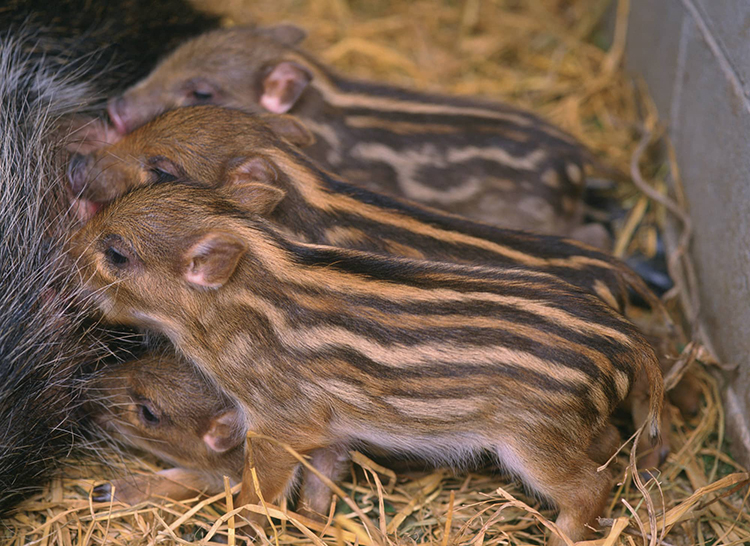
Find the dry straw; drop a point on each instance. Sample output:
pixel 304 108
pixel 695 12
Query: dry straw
pixel 542 55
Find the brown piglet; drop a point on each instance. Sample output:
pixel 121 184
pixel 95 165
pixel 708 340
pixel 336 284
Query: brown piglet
pixel 323 348
pixel 486 161
pixel 217 147
pixel 162 405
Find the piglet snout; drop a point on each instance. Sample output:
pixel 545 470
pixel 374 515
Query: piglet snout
pixel 77 173
pixel 116 111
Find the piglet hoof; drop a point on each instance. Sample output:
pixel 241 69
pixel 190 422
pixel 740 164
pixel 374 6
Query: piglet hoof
pixel 102 493
pixel 127 491
pixel 647 475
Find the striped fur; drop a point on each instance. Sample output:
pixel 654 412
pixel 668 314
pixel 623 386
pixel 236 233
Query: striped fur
pixel 324 347
pixel 161 404
pixel 486 161
pixel 211 145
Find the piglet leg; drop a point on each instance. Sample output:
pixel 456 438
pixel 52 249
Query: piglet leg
pixel 174 483
pixel 315 495
pixel 274 468
pixel 564 473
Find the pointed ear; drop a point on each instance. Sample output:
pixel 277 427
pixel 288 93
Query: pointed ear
pixel 284 33
pixel 252 184
pixel 257 168
pixel 256 198
pixel 211 261
pixel 289 128
pixel 283 86
pixel 224 432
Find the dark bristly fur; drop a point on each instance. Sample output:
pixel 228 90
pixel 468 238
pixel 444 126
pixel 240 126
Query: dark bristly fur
pixel 116 42
pixel 42 340
pixel 324 347
pixel 57 59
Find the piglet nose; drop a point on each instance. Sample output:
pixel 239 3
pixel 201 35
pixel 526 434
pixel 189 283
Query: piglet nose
pixel 116 111
pixel 77 173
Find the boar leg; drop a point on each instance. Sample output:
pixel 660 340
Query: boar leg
pixel 315 496
pixel 686 395
pixel 604 444
pixel 275 469
pixel 175 483
pixel 565 474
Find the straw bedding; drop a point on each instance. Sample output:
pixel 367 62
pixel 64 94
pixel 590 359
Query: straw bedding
pixel 547 56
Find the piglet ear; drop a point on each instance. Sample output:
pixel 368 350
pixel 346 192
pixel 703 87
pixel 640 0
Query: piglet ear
pixel 252 184
pixel 260 199
pixel 83 210
pixel 283 86
pixel 284 33
pixel 289 128
pixel 224 432
pixel 211 261
pixel 252 169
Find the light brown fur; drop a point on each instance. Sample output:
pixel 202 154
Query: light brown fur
pixel 486 161
pixel 218 147
pixel 233 293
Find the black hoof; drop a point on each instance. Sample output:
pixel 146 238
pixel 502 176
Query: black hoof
pixel 647 475
pixel 102 493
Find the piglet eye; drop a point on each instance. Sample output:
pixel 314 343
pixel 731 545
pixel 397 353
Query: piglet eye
pixel 163 176
pixel 163 169
pixel 202 96
pixel 117 253
pixel 147 415
pixel 200 91
pixel 115 257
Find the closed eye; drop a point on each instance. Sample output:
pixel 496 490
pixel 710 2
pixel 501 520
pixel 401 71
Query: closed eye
pixel 118 254
pixel 162 176
pixel 200 91
pixel 163 169
pixel 115 257
pixel 147 415
pixel 202 96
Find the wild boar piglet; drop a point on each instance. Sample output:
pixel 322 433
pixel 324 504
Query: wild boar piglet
pixel 483 160
pixel 217 147
pixel 163 405
pixel 323 348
